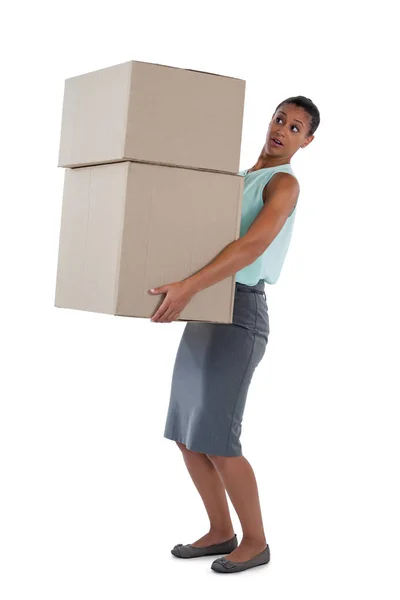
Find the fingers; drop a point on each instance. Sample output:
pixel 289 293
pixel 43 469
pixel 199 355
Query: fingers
pixel 167 317
pixel 160 313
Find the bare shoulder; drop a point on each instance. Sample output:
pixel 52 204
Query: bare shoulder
pixel 281 195
pixel 281 183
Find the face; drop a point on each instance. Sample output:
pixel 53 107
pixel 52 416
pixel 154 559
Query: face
pixel 289 125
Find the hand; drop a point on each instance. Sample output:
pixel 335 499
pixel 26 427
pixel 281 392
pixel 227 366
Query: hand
pixel 178 295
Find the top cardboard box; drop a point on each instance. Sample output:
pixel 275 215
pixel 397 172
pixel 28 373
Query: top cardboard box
pixel 152 113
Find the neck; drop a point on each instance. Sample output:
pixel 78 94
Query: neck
pixel 266 160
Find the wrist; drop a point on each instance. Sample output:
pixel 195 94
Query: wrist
pixel 190 284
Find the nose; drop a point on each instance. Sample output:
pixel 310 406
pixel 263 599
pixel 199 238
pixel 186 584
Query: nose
pixel 278 132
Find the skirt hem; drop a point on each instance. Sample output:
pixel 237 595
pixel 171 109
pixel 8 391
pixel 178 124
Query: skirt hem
pixel 191 447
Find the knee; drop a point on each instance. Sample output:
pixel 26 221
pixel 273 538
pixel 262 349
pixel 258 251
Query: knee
pixel 220 462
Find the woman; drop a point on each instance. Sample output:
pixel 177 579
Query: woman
pixel 215 361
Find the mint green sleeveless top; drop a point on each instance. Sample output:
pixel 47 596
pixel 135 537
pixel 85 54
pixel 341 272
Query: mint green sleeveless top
pixel 268 266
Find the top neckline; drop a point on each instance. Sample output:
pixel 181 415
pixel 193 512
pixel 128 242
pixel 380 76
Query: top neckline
pixel 265 168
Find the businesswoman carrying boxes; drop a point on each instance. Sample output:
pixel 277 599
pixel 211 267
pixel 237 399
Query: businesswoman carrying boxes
pixel 215 361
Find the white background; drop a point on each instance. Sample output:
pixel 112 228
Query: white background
pixel 93 496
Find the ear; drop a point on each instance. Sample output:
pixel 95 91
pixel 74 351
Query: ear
pixel 310 139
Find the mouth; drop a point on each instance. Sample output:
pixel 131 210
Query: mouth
pixel 276 142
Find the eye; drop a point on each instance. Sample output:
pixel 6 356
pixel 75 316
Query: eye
pixel 280 119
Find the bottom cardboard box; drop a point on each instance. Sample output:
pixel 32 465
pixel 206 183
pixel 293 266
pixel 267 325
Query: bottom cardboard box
pixel 129 226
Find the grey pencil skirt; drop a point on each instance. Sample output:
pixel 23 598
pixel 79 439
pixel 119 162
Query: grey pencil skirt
pixel 213 369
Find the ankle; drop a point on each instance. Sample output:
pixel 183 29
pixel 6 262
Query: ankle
pixel 226 533
pixel 254 540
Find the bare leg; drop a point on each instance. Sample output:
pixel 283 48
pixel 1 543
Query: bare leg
pixel 240 483
pixel 210 487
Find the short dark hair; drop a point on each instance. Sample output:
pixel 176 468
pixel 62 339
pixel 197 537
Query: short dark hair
pixel 308 106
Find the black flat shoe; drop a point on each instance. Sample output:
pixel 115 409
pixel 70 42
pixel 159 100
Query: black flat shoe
pixel 189 551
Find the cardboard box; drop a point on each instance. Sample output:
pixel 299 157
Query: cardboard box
pixel 152 113
pixel 129 226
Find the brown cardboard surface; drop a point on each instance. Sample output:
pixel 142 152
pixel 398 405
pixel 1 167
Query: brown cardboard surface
pixel 153 113
pixel 129 226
